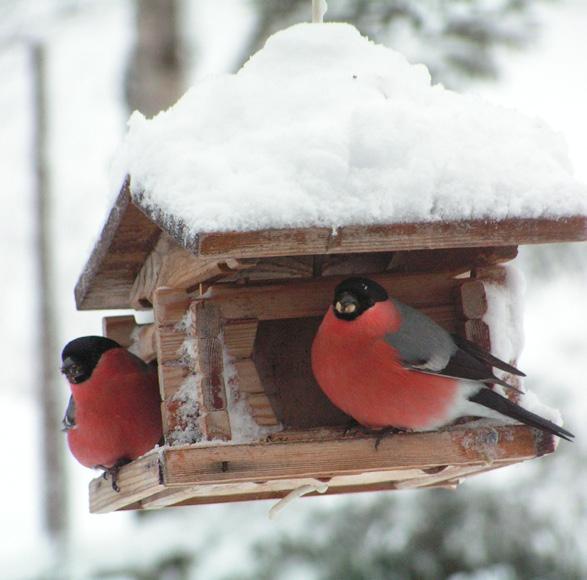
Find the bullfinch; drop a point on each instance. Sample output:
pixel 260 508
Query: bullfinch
pixel 388 365
pixel 114 411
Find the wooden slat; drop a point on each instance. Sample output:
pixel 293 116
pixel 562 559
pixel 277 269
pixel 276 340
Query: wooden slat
pixel 277 488
pixel 170 306
pixel 239 337
pixel 473 300
pixel 324 459
pixel 385 238
pixel 137 480
pixel 209 366
pixel 281 267
pixel 144 343
pixel 198 475
pixel 124 244
pixel 312 298
pixel 145 283
pixel 119 329
pixel 477 331
pixel 454 260
pixel 248 377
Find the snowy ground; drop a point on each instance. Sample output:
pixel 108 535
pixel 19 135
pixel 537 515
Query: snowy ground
pixel 86 127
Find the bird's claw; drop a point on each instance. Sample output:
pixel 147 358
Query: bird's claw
pixel 112 473
pixel 386 431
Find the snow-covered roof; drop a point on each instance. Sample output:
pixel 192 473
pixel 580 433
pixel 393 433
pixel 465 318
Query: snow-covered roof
pixel 323 127
pixel 325 142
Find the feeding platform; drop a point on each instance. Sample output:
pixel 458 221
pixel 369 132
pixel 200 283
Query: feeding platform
pixel 199 235
pixel 234 318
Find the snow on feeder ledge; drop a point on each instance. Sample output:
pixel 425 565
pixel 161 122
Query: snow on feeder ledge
pixel 248 201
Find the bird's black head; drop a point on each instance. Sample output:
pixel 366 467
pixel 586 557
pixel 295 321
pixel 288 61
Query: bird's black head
pixel 80 356
pixel 355 295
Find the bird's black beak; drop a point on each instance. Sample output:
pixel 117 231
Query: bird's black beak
pixel 73 371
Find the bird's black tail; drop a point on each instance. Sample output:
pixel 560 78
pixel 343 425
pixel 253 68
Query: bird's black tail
pixel 492 400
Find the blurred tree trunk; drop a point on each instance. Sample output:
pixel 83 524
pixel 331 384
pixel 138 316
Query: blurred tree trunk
pixel 54 502
pixel 154 78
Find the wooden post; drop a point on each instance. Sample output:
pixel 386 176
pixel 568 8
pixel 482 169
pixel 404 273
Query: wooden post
pixel 208 354
pixel 178 409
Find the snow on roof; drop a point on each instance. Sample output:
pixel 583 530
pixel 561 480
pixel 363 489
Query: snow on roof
pixel 322 127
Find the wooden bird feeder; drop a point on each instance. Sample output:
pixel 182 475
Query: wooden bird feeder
pixel 235 314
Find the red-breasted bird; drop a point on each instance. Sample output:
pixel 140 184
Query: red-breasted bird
pixel 388 365
pixel 114 412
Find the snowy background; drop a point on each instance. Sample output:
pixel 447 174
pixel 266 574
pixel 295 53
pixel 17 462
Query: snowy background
pixel 525 521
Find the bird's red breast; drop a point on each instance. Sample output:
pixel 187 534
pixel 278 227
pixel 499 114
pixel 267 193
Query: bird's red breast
pixel 117 413
pixel 362 375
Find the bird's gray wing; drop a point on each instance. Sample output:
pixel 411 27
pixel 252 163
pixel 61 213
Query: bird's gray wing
pixel 69 417
pixel 425 346
pixel 420 342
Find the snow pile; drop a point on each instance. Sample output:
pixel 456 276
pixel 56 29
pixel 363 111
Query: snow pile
pixel 324 127
pixel 505 319
pixel 243 427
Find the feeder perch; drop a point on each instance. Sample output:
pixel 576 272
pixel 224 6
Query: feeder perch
pixel 234 318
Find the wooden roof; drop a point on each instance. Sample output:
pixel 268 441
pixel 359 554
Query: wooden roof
pixel 132 231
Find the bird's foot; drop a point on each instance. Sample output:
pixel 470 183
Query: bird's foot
pixel 112 473
pixel 385 432
pixel 380 434
pixel 351 426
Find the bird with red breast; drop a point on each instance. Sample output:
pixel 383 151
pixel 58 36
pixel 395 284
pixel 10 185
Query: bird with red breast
pixel 390 366
pixel 114 411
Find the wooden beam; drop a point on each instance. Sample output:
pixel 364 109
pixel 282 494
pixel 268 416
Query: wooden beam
pixel 198 475
pixel 239 337
pixel 454 260
pixel 124 244
pixel 137 480
pixel 348 456
pixel 172 266
pixel 119 329
pixel 208 355
pixel 432 293
pixel 386 238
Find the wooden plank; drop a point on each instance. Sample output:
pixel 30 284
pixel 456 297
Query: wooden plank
pixel 248 377
pixel 477 331
pixel 216 425
pixel 394 237
pixel 144 343
pixel 325 459
pixel 137 480
pixel 473 300
pixel 208 360
pixel 239 337
pixel 312 297
pixel 275 488
pixel 454 260
pixel 119 329
pixel 352 264
pixel 145 283
pixel 170 344
pixel 170 306
pixel 281 267
pixel 124 244
pixel 172 376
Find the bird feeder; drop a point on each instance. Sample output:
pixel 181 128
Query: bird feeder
pixel 234 318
